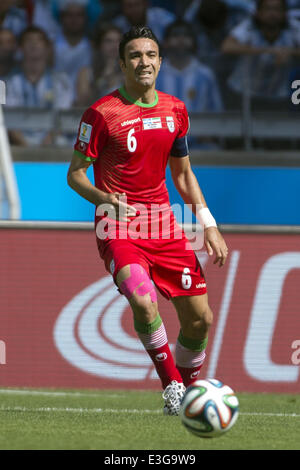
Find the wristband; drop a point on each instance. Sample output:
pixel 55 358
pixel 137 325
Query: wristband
pixel 205 218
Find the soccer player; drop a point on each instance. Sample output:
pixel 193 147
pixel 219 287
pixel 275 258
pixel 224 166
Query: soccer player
pixel 129 136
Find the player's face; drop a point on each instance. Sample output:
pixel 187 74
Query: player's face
pixel 142 62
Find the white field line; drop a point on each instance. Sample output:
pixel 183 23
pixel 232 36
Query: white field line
pixel 79 410
pixel 278 415
pixel 7 391
pixel 125 411
pixel 99 410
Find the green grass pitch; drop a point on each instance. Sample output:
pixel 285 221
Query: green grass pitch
pixel 133 420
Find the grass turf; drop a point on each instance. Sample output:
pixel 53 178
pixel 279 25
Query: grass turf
pixel 133 420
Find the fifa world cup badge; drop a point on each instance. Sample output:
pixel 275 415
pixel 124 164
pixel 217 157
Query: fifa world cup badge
pixel 85 132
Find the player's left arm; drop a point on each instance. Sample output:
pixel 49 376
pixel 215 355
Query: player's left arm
pixel 187 185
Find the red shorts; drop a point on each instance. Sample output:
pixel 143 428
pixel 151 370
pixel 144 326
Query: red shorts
pixel 174 269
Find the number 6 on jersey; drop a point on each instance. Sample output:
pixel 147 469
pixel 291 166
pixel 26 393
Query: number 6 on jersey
pixel 131 141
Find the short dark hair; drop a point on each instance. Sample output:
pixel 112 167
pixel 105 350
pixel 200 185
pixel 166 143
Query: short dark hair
pixel 34 30
pixel 137 32
pixel 100 33
pixel 259 4
pixel 181 28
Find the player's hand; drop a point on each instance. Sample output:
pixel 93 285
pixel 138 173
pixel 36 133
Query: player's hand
pixel 215 243
pixel 122 210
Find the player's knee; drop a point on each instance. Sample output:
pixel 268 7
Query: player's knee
pixel 202 323
pixel 207 318
pixel 141 294
pixel 144 309
pixel 138 288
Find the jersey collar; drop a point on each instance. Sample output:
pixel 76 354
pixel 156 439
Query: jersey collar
pixel 124 93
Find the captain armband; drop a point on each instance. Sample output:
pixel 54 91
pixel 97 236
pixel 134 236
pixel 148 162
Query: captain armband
pixel 180 147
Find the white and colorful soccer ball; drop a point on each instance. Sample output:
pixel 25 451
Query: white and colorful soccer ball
pixel 209 408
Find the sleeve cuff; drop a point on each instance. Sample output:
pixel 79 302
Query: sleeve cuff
pixel 84 157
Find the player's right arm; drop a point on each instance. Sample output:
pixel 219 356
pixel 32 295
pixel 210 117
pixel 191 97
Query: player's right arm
pixel 78 180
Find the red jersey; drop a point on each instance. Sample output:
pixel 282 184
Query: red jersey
pixel 129 143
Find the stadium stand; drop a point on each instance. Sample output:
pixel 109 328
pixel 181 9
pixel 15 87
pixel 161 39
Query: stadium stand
pixel 104 73
pixel 37 85
pixel 266 45
pixel 12 17
pixel 182 74
pixel 72 47
pixel 8 48
pixel 136 12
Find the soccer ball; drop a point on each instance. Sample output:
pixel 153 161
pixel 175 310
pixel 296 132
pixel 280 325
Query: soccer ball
pixel 209 408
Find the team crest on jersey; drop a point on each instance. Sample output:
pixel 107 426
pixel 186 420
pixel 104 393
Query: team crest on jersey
pixel 152 123
pixel 170 123
pixel 85 132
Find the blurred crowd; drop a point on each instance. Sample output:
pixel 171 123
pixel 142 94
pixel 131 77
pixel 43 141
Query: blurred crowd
pixel 59 54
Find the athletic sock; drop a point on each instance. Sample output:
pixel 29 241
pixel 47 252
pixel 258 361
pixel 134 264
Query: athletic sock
pixel 190 356
pixel 154 338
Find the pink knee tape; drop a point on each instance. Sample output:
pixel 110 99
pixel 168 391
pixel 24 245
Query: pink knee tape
pixel 138 275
